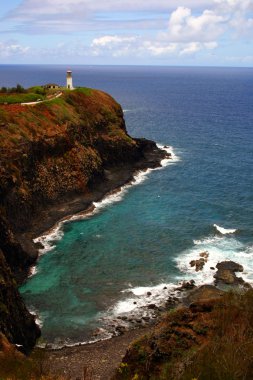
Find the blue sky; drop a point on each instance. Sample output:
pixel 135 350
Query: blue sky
pixel 150 32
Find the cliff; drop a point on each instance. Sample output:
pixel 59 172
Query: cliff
pixel 16 323
pixel 55 159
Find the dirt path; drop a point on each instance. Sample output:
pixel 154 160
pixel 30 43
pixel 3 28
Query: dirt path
pixel 97 361
pixel 42 101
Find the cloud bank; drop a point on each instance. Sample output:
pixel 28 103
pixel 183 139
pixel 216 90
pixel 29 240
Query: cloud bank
pixel 133 28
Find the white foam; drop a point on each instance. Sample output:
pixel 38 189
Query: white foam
pixel 143 296
pixel 224 231
pixel 32 271
pixel 38 319
pixel 219 249
pixel 50 237
pixel 208 240
pixel 104 335
pixel 172 159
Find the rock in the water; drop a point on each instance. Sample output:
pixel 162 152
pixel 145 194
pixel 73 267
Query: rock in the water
pixel 230 265
pixel 226 274
pixel 199 263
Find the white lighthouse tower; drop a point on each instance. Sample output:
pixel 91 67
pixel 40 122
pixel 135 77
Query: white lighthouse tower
pixel 69 80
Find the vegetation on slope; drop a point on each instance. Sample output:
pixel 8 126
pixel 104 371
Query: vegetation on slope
pixel 210 340
pixel 58 147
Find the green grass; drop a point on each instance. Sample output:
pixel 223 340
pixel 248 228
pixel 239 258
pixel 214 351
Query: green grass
pixel 84 90
pixel 19 98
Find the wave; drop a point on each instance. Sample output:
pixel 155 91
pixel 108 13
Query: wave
pixel 32 271
pixel 143 296
pixel 56 233
pixel 224 231
pixel 38 319
pixel 172 157
pixel 138 308
pixel 53 235
pixel 219 248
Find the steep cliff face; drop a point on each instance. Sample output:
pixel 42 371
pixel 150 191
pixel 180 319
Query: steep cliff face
pixel 51 153
pixel 16 323
pixel 58 147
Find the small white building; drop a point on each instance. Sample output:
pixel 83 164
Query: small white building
pixel 69 80
pixel 51 86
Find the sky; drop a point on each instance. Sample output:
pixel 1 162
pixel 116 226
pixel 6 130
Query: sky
pixel 127 32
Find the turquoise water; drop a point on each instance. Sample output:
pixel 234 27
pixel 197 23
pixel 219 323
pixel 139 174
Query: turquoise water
pixel 101 265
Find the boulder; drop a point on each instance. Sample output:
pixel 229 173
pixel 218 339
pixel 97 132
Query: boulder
pixel 199 263
pixel 230 265
pixel 202 293
pixel 226 274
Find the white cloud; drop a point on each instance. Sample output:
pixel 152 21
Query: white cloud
pixel 194 47
pixel 191 48
pixel 203 20
pixel 10 49
pixel 186 34
pixel 183 26
pixel 119 46
pixel 239 12
pixel 110 41
pixel 135 28
pixel 158 49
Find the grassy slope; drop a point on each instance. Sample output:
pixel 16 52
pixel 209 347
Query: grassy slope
pixel 211 340
pixel 21 124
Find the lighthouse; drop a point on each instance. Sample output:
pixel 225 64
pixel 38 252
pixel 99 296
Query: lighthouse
pixel 69 80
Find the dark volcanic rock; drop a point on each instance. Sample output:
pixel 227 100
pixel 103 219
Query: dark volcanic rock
pixel 204 292
pixel 16 323
pixel 186 285
pixel 16 257
pixel 230 265
pixel 199 263
pixel 226 274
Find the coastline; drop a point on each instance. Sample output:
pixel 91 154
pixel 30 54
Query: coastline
pixel 100 359
pixel 113 180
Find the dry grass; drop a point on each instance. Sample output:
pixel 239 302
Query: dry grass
pixel 213 341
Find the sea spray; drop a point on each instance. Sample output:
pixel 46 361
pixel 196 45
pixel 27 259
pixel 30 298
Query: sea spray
pixel 219 248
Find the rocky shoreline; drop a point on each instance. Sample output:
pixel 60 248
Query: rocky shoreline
pixel 113 178
pixel 101 359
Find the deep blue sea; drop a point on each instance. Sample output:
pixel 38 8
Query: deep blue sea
pixel 142 239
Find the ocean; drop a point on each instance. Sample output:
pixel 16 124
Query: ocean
pixel 137 245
